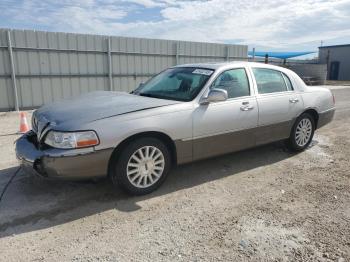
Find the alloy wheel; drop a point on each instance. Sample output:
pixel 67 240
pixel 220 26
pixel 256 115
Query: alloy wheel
pixel 145 166
pixel 303 132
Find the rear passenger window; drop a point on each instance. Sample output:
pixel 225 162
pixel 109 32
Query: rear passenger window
pixel 269 81
pixel 288 82
pixel 234 81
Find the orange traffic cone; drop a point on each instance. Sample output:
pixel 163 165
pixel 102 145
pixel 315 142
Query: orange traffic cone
pixel 23 125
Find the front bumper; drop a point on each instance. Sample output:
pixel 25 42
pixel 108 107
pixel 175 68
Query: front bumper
pixel 60 163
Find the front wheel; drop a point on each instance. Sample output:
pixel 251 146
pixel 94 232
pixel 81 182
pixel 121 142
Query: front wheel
pixel 141 167
pixel 302 133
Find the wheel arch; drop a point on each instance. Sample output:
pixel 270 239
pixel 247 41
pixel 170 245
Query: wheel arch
pixel 313 112
pixel 169 143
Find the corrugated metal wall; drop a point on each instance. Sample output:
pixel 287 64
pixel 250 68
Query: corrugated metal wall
pixel 337 53
pixel 50 66
pixel 317 72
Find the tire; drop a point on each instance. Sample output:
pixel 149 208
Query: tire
pixel 140 162
pixel 302 133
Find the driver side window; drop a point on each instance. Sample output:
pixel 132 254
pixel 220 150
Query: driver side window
pixel 234 81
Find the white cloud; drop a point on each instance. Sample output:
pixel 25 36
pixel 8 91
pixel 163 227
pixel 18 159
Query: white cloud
pixel 269 23
pixel 146 3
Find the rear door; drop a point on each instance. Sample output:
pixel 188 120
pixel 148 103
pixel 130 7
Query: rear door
pixel 279 104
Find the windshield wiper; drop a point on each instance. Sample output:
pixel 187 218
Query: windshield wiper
pixel 149 95
pixel 162 97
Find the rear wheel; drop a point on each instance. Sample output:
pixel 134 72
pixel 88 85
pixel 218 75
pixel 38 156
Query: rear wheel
pixel 302 133
pixel 141 167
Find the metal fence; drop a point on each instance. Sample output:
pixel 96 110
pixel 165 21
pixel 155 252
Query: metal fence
pixel 311 71
pixel 40 67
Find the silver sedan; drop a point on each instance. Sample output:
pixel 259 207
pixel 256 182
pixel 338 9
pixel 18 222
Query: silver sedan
pixel 183 114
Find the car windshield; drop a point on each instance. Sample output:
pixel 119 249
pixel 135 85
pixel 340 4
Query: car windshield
pixel 179 83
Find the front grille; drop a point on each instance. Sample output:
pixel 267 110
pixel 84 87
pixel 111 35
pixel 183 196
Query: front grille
pixel 35 124
pixel 33 139
pixel 38 129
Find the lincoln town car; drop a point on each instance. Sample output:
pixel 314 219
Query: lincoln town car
pixel 183 114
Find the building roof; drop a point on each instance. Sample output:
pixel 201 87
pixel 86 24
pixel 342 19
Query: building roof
pixel 281 55
pixel 331 46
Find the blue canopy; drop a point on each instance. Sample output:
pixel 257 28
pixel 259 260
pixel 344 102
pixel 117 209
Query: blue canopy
pixel 281 55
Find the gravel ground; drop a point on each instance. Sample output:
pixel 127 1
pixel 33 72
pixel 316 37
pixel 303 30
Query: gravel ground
pixel 264 204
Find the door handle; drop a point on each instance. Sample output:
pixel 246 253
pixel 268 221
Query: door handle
pixel 246 108
pixel 294 100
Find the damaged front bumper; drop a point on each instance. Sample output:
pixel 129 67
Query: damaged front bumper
pixel 61 163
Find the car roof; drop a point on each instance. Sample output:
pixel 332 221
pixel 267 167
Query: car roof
pixel 218 65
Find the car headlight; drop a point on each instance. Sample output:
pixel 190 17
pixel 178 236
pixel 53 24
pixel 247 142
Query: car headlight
pixel 66 140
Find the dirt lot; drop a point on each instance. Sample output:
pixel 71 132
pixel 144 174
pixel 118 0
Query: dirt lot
pixel 263 204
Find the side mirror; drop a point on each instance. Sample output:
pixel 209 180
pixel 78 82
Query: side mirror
pixel 215 95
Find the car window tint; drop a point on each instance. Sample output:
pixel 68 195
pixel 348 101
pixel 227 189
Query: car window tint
pixel 171 83
pixel 288 82
pixel 179 83
pixel 269 80
pixel 234 81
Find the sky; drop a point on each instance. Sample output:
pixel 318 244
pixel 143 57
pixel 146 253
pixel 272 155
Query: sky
pixel 267 25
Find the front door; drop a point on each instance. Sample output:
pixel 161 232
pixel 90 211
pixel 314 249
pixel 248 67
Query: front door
pixel 278 103
pixel 226 126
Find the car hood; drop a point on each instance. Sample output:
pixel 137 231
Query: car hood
pixel 92 106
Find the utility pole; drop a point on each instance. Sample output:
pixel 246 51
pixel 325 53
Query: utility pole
pixel 13 73
pixel 327 61
pixel 110 70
